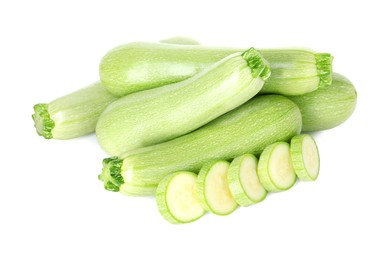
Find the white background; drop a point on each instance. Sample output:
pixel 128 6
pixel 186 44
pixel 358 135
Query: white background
pixel 52 205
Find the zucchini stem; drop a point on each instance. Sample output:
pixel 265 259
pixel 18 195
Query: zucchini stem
pixel 324 68
pixel 258 65
pixel 111 173
pixel 42 121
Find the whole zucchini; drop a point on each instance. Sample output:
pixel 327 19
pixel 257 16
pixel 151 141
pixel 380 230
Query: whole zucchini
pixel 76 114
pixel 72 115
pixel 327 106
pixel 160 114
pixel 140 65
pixel 249 128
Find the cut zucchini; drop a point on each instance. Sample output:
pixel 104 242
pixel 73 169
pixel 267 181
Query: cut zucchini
pixel 176 198
pixel 243 180
pixel 305 157
pixel 212 188
pixel 275 170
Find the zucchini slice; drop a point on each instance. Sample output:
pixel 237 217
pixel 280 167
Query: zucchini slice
pixel 244 182
pixel 275 170
pixel 176 198
pixel 305 157
pixel 212 188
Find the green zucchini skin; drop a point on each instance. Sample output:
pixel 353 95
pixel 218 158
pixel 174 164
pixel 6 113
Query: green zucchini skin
pixel 249 128
pixel 156 115
pixel 140 65
pixel 72 115
pixel 180 40
pixel 329 106
pixel 76 113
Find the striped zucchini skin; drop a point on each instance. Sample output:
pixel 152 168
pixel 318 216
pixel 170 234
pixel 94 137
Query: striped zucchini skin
pixel 248 129
pixel 72 115
pixel 76 113
pixel 329 106
pixel 154 116
pixel 180 40
pixel 140 65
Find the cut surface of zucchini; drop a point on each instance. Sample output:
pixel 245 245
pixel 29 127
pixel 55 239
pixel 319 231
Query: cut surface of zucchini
pixel 305 157
pixel 176 198
pixel 275 170
pixel 243 180
pixel 212 188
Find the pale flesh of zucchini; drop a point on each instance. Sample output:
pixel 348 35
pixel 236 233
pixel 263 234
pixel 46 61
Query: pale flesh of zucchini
pixel 305 157
pixel 275 168
pixel 212 188
pixel 244 182
pixel 177 200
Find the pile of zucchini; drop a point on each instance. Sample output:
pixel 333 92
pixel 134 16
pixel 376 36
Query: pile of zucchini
pixel 204 128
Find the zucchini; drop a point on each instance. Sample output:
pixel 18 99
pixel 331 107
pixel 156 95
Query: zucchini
pixel 73 115
pixel 180 40
pixel 275 169
pixel 140 65
pixel 76 114
pixel 212 188
pixel 176 198
pixel 261 121
pixel 328 106
pixel 305 157
pixel 157 115
pixel 244 182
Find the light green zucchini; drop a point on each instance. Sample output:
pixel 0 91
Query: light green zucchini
pixel 177 200
pixel 180 40
pixel 160 114
pixel 261 121
pixel 213 192
pixel 76 114
pixel 140 65
pixel 305 157
pixel 73 115
pixel 328 106
pixel 244 182
pixel 275 169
